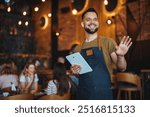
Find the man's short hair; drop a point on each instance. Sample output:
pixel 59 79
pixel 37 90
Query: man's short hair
pixel 89 10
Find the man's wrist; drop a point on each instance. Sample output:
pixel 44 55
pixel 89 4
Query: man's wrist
pixel 119 55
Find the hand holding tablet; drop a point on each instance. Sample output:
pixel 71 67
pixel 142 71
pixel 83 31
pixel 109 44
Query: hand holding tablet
pixel 76 69
pixel 77 59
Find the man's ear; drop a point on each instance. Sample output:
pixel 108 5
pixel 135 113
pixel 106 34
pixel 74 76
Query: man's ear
pixel 82 24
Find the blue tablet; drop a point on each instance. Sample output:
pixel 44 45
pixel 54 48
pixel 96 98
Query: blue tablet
pixel 77 59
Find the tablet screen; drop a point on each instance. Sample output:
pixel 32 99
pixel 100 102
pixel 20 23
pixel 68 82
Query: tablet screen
pixel 77 59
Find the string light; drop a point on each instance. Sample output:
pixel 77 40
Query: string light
pixel 43 0
pixel 24 13
pixel 19 22
pixel 36 9
pixel 109 21
pixel 26 23
pixel 57 34
pixel 8 9
pixel 49 15
pixel 105 2
pixel 74 11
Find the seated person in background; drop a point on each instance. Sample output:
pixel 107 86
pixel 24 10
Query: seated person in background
pixel 29 79
pixel 7 78
pixel 61 83
pixel 61 59
pixel 74 77
pixel 42 76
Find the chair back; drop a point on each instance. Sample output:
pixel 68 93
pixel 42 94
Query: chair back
pixel 113 81
pixel 128 78
pixel 132 86
pixel 66 96
pixel 18 97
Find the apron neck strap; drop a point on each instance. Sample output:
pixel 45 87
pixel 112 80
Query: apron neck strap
pixel 98 43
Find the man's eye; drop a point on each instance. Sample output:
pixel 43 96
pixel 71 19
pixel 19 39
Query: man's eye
pixel 95 19
pixel 87 19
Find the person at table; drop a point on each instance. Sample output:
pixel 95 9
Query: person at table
pixel 29 79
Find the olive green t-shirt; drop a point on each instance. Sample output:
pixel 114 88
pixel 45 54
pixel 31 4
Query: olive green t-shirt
pixel 106 45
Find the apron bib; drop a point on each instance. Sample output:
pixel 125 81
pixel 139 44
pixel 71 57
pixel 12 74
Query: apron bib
pixel 95 85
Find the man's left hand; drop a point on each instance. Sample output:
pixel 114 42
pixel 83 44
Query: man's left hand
pixel 124 46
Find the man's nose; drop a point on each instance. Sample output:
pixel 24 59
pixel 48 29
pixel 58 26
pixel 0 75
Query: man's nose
pixel 92 21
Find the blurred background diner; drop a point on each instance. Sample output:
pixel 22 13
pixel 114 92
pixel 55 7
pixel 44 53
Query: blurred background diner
pixel 45 31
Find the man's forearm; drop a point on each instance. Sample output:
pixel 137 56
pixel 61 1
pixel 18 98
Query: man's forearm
pixel 121 63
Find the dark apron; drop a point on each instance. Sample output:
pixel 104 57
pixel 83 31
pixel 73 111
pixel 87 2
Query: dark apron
pixel 95 85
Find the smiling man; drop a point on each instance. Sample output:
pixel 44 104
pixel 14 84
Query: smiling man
pixel 100 52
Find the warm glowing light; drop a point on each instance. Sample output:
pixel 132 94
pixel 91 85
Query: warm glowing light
pixel 49 15
pixel 26 23
pixel 19 22
pixel 46 22
pixel 43 0
pixel 36 9
pixel 74 11
pixel 24 13
pixel 8 9
pixel 82 10
pixel 105 2
pixel 57 34
pixel 109 21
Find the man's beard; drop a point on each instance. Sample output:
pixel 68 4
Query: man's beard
pixel 91 31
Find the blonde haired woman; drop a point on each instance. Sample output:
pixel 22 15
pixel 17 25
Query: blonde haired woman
pixel 29 79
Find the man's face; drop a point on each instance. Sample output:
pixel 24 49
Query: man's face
pixel 90 22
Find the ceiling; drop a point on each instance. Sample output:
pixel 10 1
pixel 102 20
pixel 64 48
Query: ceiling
pixel 20 2
pixel 18 6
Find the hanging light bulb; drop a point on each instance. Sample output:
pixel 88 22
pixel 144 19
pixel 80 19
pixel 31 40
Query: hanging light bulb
pixel 57 34
pixel 105 2
pixel 36 9
pixel 43 0
pixel 26 23
pixel 109 21
pixel 74 11
pixel 19 22
pixel 49 15
pixel 8 9
pixel 24 13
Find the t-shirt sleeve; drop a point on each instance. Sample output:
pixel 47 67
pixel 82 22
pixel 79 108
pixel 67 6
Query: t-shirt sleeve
pixel 22 78
pixel 111 45
pixel 51 89
pixel 78 48
pixel 36 78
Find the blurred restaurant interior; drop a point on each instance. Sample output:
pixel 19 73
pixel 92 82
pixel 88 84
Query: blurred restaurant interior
pixel 44 30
